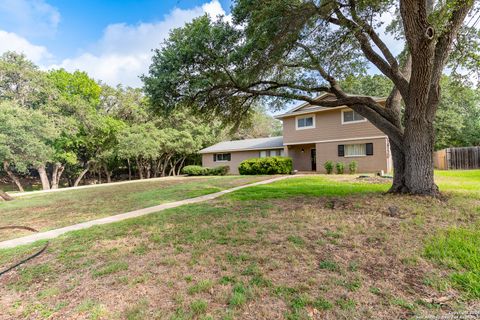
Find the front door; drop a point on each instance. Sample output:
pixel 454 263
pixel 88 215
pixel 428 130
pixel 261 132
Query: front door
pixel 313 156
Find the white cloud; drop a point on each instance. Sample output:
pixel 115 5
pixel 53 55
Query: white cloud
pixel 29 18
pixel 13 42
pixel 124 52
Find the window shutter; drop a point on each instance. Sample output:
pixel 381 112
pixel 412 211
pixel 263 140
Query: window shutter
pixel 369 149
pixel 229 156
pixel 214 157
pixel 341 150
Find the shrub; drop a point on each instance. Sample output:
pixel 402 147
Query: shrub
pixel 270 165
pixel 218 171
pixel 353 166
pixel 194 170
pixel 328 165
pixel 204 171
pixel 340 166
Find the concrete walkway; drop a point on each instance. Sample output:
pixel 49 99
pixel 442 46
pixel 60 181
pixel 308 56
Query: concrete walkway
pixel 132 214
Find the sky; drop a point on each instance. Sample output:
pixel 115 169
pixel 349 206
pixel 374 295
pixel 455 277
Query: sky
pixel 112 40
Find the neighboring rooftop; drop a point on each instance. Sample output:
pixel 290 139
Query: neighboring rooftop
pixel 245 145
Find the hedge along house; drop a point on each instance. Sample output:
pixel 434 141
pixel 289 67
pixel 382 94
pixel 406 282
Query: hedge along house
pixel 312 135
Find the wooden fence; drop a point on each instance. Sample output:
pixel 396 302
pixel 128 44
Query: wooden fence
pixel 457 158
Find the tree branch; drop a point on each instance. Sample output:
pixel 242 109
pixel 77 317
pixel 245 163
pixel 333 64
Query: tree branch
pixel 374 36
pixel 444 46
pixel 393 74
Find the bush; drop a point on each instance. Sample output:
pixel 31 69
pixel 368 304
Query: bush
pixel 352 167
pixel 194 170
pixel 270 165
pixel 204 171
pixel 328 165
pixel 340 166
pixel 218 171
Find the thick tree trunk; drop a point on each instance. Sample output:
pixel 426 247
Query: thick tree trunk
pixel 43 177
pixel 5 196
pixel 6 167
pixel 419 141
pixel 398 157
pixel 413 168
pixel 82 174
pixel 57 174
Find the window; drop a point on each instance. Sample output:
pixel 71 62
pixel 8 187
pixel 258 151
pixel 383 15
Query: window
pixel 350 116
pixel 222 157
pixel 271 153
pixel 276 153
pixel 305 122
pixel 355 150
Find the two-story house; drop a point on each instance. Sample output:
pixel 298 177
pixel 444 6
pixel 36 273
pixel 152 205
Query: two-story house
pixel 312 135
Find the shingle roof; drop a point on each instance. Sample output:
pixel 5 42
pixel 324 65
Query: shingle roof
pixel 307 108
pixel 247 144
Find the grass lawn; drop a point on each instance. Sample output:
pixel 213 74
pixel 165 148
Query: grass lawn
pixel 302 248
pixel 46 211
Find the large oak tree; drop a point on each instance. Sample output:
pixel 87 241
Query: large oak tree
pixel 296 49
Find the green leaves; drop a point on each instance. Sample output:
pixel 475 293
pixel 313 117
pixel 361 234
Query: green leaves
pixel 26 136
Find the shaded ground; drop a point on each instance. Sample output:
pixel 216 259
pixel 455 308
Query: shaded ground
pixel 53 210
pixel 300 248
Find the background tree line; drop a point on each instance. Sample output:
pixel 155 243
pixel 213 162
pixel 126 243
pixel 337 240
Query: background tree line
pixel 61 129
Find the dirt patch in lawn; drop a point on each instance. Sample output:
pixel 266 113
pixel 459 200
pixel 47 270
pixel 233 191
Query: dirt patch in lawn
pixel 295 259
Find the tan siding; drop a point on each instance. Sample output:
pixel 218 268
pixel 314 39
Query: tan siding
pixel 236 158
pixel 328 126
pixel 301 160
pixel 379 161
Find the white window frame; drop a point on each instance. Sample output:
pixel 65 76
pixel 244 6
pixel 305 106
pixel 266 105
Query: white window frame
pixel 260 154
pixel 350 122
pixel 354 156
pixel 223 153
pixel 304 117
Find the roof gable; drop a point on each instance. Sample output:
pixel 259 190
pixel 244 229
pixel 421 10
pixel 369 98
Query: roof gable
pixel 245 145
pixel 307 107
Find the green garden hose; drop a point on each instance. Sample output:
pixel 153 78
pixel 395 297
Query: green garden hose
pixel 36 254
